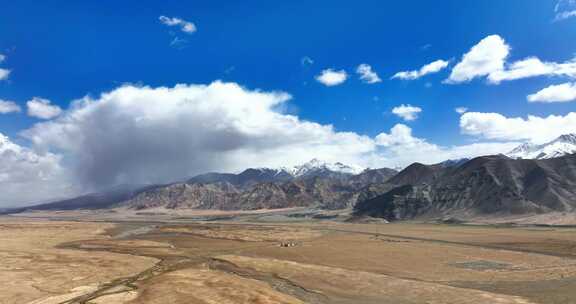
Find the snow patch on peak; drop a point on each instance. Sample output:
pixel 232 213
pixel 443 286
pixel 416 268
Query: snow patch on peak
pixel 564 144
pixel 524 148
pixel 316 165
pixel 567 138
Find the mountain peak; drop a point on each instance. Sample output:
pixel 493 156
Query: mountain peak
pixel 566 138
pixel 562 145
pixel 315 166
pixel 313 163
pixel 523 148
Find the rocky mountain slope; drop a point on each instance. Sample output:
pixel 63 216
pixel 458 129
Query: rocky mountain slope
pixel 261 190
pixel 315 184
pixel 489 185
pixel 563 145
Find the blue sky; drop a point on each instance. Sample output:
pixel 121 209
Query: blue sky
pixel 64 50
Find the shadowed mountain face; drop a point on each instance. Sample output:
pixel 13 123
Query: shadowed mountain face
pixel 392 205
pixel 489 185
pixel 416 173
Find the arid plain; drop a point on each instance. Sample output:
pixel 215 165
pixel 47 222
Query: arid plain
pixel 46 261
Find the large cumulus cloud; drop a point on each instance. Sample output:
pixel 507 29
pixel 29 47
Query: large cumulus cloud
pixel 142 134
pixel 401 147
pixel 488 58
pixel 495 126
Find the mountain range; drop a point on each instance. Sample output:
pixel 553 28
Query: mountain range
pixel 315 183
pixel 532 179
pixel 252 176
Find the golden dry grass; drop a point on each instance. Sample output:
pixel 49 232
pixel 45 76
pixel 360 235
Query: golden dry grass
pixel 204 286
pixel 252 233
pixel 242 263
pixel 367 287
pixel 32 269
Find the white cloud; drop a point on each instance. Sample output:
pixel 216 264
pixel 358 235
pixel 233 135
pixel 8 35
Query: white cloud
pixel 41 108
pixel 330 77
pixel 401 135
pixel 27 177
pixel 461 110
pixel 532 67
pixel 407 112
pixel 565 15
pixel 185 26
pixel 430 68
pixel 179 43
pixel 403 148
pixel 555 93
pixel 305 61
pixel 4 73
pixel 7 106
pixel 142 134
pixel 565 9
pixel 484 58
pixel 533 128
pixel 488 59
pixel 367 74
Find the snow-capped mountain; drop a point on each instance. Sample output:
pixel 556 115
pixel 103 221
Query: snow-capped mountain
pixel 315 167
pixel 251 176
pixel 564 144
